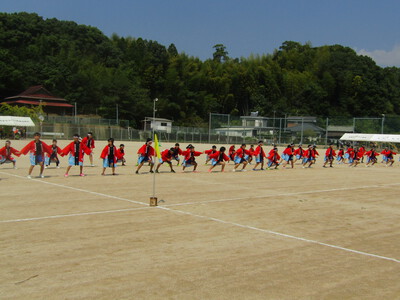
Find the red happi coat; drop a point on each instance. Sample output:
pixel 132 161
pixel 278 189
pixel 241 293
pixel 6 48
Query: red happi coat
pixel 189 154
pixel 91 143
pixel 6 152
pixel 288 151
pixel 242 152
pixel 299 151
pixel 328 152
pixel 209 152
pixel 166 155
pixel 340 153
pixel 70 149
pixel 371 153
pixel 142 151
pixel 31 148
pixel 58 151
pixel 217 154
pixel 274 156
pixel 259 151
pixel 106 151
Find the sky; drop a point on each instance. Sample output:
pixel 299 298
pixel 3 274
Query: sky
pixel 370 27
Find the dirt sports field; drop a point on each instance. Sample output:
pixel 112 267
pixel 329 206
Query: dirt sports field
pixel 285 234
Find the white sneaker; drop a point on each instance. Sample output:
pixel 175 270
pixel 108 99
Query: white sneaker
pixel 234 170
pixel 58 167
pixel 15 168
pixel 29 176
pixel 41 176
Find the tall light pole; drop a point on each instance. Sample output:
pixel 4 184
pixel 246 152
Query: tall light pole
pixel 273 129
pixel 383 122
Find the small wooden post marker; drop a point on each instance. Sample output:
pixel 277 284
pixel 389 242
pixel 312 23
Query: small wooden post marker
pixel 153 201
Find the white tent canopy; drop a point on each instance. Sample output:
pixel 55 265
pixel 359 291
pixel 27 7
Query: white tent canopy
pixel 363 137
pixel 16 121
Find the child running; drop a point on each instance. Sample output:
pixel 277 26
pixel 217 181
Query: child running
pixel 146 153
pixel 390 157
pixel 88 140
pixel 190 158
pixel 218 159
pixel 36 149
pixel 6 152
pixel 110 155
pixel 329 156
pixel 340 156
pixel 232 152
pixel 210 152
pixel 287 156
pixel 53 157
pixel 260 155
pixel 371 157
pixel 76 150
pixel 166 157
pixel 310 156
pixel 240 157
pixel 249 157
pixel 298 154
pixel 273 158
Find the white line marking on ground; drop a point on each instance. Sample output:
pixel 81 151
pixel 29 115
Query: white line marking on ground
pixel 76 189
pixel 74 215
pixel 282 195
pixel 222 221
pixel 280 234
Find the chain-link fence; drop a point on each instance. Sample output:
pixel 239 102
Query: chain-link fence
pixel 228 129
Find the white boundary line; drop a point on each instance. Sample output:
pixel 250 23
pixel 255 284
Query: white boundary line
pixel 281 195
pixel 76 189
pixel 215 219
pixel 74 215
pixel 280 234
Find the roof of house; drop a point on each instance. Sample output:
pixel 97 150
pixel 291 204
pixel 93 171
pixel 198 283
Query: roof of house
pixel 305 127
pixel 36 95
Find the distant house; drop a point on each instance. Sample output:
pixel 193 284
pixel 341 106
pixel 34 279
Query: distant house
pixel 37 95
pixel 294 121
pixel 252 126
pixel 336 132
pixel 163 125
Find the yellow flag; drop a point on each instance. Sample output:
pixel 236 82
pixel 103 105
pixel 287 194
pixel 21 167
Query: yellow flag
pixel 157 146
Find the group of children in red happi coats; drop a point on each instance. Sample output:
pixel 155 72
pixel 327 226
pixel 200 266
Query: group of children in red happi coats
pixel 43 155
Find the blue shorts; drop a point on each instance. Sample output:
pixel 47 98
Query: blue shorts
pixel 339 158
pixel 259 159
pixel 144 159
pixel 214 162
pixel 71 161
pixel 306 159
pixel 35 160
pixel 287 157
pixel 239 160
pixel 176 158
pixel 4 160
pixel 385 158
pixel 298 156
pixel 106 164
pixel 346 155
pixel 188 163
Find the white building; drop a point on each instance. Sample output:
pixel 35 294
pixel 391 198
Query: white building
pixel 160 125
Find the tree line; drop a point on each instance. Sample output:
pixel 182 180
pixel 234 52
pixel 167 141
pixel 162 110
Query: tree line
pixel 83 65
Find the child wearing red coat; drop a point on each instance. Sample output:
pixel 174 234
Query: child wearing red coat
pixel 298 153
pixel 6 152
pixel 76 150
pixel 371 157
pixel 88 140
pixel 110 155
pixel 36 150
pixel 232 152
pixel 273 158
pixel 121 154
pixel 240 157
pixel 218 159
pixel 390 157
pixel 329 156
pixel 166 157
pixel 210 152
pixel 146 153
pixel 53 156
pixel 190 158
pixel 259 155
pixel 287 155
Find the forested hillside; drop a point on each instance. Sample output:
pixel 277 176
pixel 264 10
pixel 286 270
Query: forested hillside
pixel 83 65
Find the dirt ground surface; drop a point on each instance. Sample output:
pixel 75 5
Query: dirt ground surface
pixel 280 234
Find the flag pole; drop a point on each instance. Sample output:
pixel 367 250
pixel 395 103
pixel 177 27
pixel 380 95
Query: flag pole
pixel 153 200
